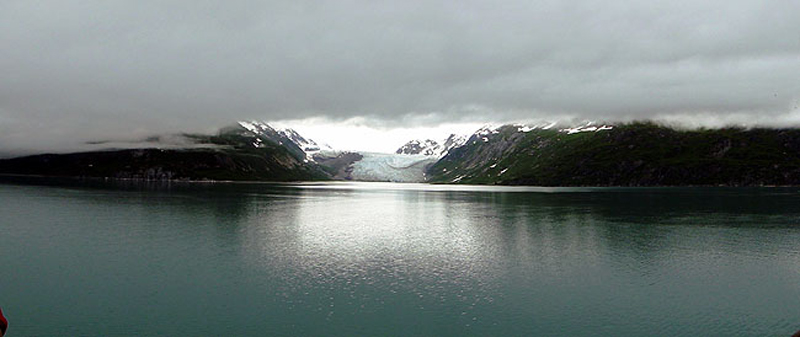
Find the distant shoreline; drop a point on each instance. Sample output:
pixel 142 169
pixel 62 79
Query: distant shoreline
pixel 345 182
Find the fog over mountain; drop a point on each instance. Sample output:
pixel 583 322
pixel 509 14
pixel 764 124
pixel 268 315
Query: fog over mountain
pixel 75 71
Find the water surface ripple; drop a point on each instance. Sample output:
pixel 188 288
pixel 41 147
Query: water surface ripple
pixel 107 259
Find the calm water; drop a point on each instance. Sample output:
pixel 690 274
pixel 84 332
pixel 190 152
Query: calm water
pixel 81 259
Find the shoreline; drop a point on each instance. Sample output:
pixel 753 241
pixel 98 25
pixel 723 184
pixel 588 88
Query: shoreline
pixel 345 182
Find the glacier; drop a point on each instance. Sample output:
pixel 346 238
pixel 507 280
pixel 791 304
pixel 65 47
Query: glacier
pixel 392 167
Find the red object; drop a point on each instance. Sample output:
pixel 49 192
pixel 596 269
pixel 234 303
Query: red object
pixel 3 323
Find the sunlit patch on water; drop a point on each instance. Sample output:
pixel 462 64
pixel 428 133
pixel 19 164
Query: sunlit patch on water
pixel 398 259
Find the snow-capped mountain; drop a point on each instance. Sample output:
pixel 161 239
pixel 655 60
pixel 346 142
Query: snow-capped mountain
pixel 549 154
pixel 286 137
pixel 309 146
pixel 261 129
pixel 431 147
pixel 452 142
pixel 493 129
pixel 586 126
pixel 426 147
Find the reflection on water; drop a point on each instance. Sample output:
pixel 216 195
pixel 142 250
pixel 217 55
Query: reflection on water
pixel 93 258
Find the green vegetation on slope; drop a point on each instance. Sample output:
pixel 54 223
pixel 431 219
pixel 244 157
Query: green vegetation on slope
pixel 636 154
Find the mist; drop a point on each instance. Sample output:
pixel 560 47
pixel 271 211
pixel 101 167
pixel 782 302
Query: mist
pixel 79 71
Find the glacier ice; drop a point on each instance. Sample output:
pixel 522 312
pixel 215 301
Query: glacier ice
pixel 391 167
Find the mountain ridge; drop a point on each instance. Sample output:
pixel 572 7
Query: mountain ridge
pixel 241 151
pixel 430 147
pixel 588 154
pixel 630 154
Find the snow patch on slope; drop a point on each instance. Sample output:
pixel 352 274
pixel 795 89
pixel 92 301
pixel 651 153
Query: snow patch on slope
pixel 256 127
pixel 588 127
pixel 263 130
pixel 427 147
pixel 431 147
pixel 487 130
pixel 309 146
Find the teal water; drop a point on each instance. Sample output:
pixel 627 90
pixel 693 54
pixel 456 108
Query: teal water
pixel 114 259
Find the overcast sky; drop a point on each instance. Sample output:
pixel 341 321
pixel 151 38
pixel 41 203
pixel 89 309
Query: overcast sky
pixel 72 71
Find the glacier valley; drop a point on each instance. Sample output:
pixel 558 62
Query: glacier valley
pixel 392 167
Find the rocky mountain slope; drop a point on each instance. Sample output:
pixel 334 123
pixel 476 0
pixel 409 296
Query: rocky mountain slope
pixel 636 154
pixel 309 146
pixel 429 147
pixel 244 151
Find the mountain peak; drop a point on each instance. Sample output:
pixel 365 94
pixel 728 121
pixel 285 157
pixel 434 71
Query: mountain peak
pixel 429 147
pixel 263 131
pixel 256 127
pixel 309 146
pixel 426 147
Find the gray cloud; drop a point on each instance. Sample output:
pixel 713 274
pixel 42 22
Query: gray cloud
pixel 80 70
